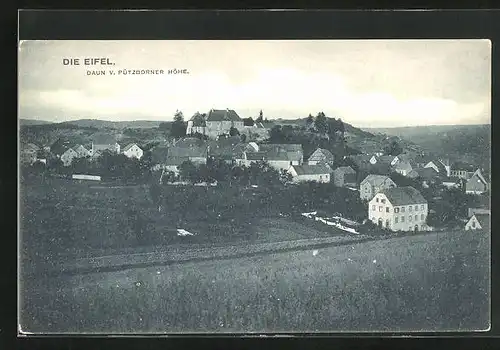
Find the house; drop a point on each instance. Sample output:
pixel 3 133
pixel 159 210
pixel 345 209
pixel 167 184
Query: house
pixel 424 174
pixel 472 211
pixel 438 166
pixel 170 158
pixel 321 156
pixel 218 122
pixel 402 167
pixel 461 169
pixel 28 153
pixel 478 222
pixel 385 159
pixel 281 156
pixel 344 176
pixel 81 151
pixel 227 149
pixel 420 160
pixel 68 156
pixel 306 172
pixel 399 209
pixel 477 184
pixel 132 150
pixel 104 142
pixel 452 182
pixel 373 184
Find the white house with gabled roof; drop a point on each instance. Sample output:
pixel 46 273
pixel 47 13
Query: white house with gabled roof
pixel 399 209
pixel 132 150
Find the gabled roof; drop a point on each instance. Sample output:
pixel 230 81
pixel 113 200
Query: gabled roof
pixel 217 115
pixel 484 220
pixel 403 165
pixel 345 170
pixel 376 180
pixel 256 156
pixel 480 176
pixel 306 169
pixel 129 146
pixel 282 152
pixel 322 154
pixel 439 165
pixel 103 139
pixel 361 158
pixel 404 196
pixel 385 159
pixel 462 166
pixel 422 158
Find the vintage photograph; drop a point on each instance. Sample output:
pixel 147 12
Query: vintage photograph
pixel 254 186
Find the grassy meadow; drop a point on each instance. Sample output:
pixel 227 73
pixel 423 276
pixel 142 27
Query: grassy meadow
pixel 436 282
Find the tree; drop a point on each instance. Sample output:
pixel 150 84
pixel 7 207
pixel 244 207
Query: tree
pixel 243 137
pixel 321 123
pixel 393 148
pixel 178 128
pixel 199 119
pixel 260 119
pixel 310 121
pixel 233 131
pixel 248 121
pixel 189 172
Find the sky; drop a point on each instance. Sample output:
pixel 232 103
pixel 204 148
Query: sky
pixel 368 83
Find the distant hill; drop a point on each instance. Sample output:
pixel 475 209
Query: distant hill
pixel 100 124
pixel 471 143
pixel 303 122
pixel 24 122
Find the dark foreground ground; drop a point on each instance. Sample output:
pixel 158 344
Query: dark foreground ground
pixel 432 282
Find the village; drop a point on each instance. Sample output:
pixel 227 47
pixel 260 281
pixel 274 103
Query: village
pixel 400 191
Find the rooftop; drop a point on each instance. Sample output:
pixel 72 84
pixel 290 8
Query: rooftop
pixel 306 169
pixel 217 115
pixel 376 180
pixel 404 196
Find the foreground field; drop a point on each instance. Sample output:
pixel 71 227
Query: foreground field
pixel 435 282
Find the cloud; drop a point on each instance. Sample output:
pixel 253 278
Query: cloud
pixel 384 83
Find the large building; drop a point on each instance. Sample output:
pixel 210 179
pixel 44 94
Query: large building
pixel 399 209
pixel 217 122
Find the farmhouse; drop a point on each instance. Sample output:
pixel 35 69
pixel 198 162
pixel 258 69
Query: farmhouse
pixel 373 184
pixel 402 167
pixel 344 176
pixel 478 222
pixel 81 151
pixel 28 153
pixel 306 172
pixel 218 122
pixel 438 166
pixel 132 150
pixel 68 156
pixel 321 156
pixel 399 209
pixel 102 142
pixel 463 170
pixel 281 156
pixel 477 184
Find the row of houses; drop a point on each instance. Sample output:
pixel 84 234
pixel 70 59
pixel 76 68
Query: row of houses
pixel 67 151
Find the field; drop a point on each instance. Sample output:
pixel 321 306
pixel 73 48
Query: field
pixel 433 282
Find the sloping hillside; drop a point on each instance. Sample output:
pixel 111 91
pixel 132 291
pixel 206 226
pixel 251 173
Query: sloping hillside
pixel 471 143
pixel 100 124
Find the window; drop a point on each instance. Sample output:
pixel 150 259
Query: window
pixel 402 219
pixel 416 217
pixel 409 218
pixel 387 223
pixel 416 208
pixel 422 217
pixel 383 201
pixel 473 224
pixel 396 210
pixel 373 207
pixel 410 208
pixel 402 209
pixel 386 209
pixel 380 209
pixel 396 219
pixel 376 199
pixel 321 177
